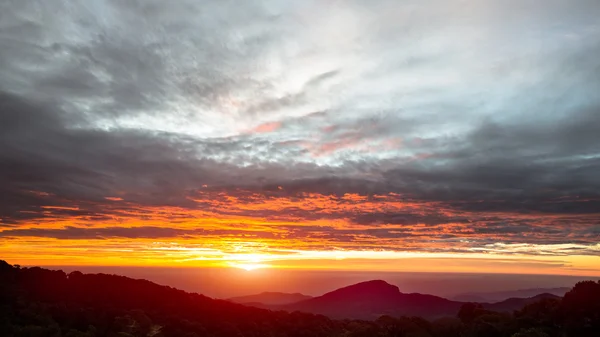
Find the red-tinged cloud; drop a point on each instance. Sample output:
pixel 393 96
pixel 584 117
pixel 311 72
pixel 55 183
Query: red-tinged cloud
pixel 267 127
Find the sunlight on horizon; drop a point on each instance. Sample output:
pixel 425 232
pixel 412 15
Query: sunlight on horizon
pixel 179 255
pixel 249 266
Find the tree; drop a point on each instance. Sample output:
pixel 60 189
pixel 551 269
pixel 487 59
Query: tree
pixel 469 311
pixel 580 309
pixel 534 332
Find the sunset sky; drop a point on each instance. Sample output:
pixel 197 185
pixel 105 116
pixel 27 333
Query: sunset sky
pixel 413 136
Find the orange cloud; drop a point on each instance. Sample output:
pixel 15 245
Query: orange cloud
pixel 298 230
pixel 64 208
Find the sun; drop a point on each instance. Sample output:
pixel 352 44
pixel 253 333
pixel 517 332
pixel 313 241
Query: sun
pixel 248 262
pixel 249 266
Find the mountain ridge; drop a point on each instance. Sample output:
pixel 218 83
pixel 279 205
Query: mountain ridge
pixel 496 296
pixel 371 299
pixel 270 298
pixel 514 303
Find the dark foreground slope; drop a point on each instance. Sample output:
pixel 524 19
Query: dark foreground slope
pixel 41 302
pixel 36 302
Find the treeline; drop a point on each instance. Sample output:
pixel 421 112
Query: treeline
pixel 36 302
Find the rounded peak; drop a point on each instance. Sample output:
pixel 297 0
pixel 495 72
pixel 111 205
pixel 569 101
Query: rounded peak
pixel 375 283
pixel 372 288
pixel 279 293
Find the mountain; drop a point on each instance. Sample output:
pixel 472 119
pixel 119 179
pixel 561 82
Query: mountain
pixel 372 299
pixel 41 302
pixel 511 304
pixel 270 298
pixel 503 295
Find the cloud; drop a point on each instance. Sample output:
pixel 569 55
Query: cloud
pixel 267 127
pixel 337 123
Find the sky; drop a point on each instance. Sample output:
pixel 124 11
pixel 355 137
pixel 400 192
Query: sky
pixel 406 136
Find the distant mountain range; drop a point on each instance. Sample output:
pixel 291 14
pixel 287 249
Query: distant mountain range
pixel 372 299
pixel 366 300
pixel 516 303
pixel 503 295
pixel 270 298
pixel 41 302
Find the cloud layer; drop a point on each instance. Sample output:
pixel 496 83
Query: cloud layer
pixel 446 127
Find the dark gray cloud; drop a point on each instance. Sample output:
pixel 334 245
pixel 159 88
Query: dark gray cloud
pixel 106 233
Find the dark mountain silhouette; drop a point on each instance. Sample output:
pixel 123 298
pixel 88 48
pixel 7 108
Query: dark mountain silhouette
pixel 497 296
pixel 270 298
pixel 31 299
pixel 511 304
pixel 372 299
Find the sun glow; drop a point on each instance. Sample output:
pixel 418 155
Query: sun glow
pixel 249 266
pixel 248 262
